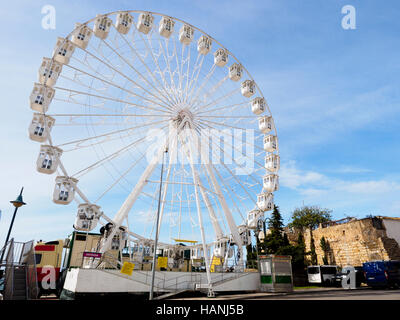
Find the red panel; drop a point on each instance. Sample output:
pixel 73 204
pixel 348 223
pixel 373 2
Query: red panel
pixel 45 248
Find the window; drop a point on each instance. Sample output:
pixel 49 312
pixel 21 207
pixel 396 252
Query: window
pixel 80 237
pixel 328 270
pixel 62 52
pixel 63 196
pixel 39 99
pixel 38 258
pixel 81 36
pixel 313 270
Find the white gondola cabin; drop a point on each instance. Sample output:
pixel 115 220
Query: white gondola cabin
pixel 272 162
pixel 245 234
pixel 258 105
pixel 40 127
pixel 204 45
pixel 48 159
pixel 87 217
pixel 235 72
pixel 63 50
pixel 81 35
pixel 49 71
pixel 265 124
pixel 265 201
pixel 220 248
pixel 166 27
pixel 123 22
pixel 221 57
pixel 102 26
pixel 41 97
pixel 253 217
pixel 270 143
pixel 64 190
pixel 145 22
pixel 186 34
pixel 271 182
pixel 248 88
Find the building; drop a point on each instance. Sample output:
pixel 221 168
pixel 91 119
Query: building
pixel 352 241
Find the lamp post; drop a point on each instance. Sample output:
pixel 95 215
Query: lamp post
pixel 17 203
pixel 153 268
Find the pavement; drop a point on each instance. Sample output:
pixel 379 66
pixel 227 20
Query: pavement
pixel 363 293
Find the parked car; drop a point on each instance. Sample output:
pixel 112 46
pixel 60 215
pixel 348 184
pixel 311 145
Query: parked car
pixel 324 274
pixel 360 277
pixel 382 274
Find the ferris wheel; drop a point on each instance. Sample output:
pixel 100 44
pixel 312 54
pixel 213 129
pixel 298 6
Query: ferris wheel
pixel 138 109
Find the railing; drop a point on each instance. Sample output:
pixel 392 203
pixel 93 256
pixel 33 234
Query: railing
pixel 9 272
pixel 20 254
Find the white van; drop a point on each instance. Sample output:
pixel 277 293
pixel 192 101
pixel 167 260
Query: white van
pixel 322 274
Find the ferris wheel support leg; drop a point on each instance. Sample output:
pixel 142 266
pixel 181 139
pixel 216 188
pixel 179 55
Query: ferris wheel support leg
pixel 214 221
pixel 196 181
pixel 224 205
pixel 131 199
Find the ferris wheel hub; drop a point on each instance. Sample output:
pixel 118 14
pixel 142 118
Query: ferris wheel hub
pixel 183 115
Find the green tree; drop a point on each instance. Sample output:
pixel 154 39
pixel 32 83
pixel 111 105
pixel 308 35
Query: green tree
pixel 309 217
pixel 275 240
pixel 325 248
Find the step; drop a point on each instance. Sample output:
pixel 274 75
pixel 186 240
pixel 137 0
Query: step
pixel 19 283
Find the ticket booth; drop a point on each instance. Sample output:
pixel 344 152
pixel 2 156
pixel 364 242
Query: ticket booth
pixel 275 273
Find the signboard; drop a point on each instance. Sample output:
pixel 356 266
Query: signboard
pixel 162 262
pixel 127 268
pixel 92 255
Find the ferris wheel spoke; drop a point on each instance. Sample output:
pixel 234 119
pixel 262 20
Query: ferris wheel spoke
pixel 166 101
pixel 232 158
pixel 77 142
pixel 228 188
pixel 111 99
pixel 188 76
pixel 107 158
pixel 234 176
pixel 122 176
pixel 216 101
pixel 200 88
pixel 178 69
pixel 113 68
pixel 119 87
pixel 230 107
pixel 150 48
pixel 167 60
pixel 232 136
pixel 193 81
pixel 149 71
pixel 210 93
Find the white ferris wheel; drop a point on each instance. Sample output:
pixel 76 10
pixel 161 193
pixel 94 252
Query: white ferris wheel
pixel 129 93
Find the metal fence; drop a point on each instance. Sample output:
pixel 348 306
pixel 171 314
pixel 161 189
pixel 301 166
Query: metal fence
pixel 20 255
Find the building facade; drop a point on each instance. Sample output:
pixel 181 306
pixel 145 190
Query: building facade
pixel 353 241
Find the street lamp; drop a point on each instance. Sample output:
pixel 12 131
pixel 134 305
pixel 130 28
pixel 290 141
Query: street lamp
pixel 17 203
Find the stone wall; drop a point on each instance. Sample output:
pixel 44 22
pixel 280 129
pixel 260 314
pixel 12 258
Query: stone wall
pixel 354 242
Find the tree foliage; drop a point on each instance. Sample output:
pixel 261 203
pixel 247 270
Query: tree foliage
pixel 309 217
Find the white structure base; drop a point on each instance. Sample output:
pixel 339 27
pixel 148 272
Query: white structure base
pixel 90 281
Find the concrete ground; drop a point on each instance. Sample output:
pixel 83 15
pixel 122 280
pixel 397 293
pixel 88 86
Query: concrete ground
pixel 312 294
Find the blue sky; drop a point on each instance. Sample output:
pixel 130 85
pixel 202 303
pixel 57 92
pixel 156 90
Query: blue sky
pixel 334 95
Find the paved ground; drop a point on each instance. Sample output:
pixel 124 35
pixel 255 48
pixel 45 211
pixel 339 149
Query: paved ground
pixel 313 294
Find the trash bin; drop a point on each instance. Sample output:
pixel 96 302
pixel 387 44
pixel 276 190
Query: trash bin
pixel 275 273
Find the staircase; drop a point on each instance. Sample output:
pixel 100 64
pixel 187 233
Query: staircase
pixel 19 292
